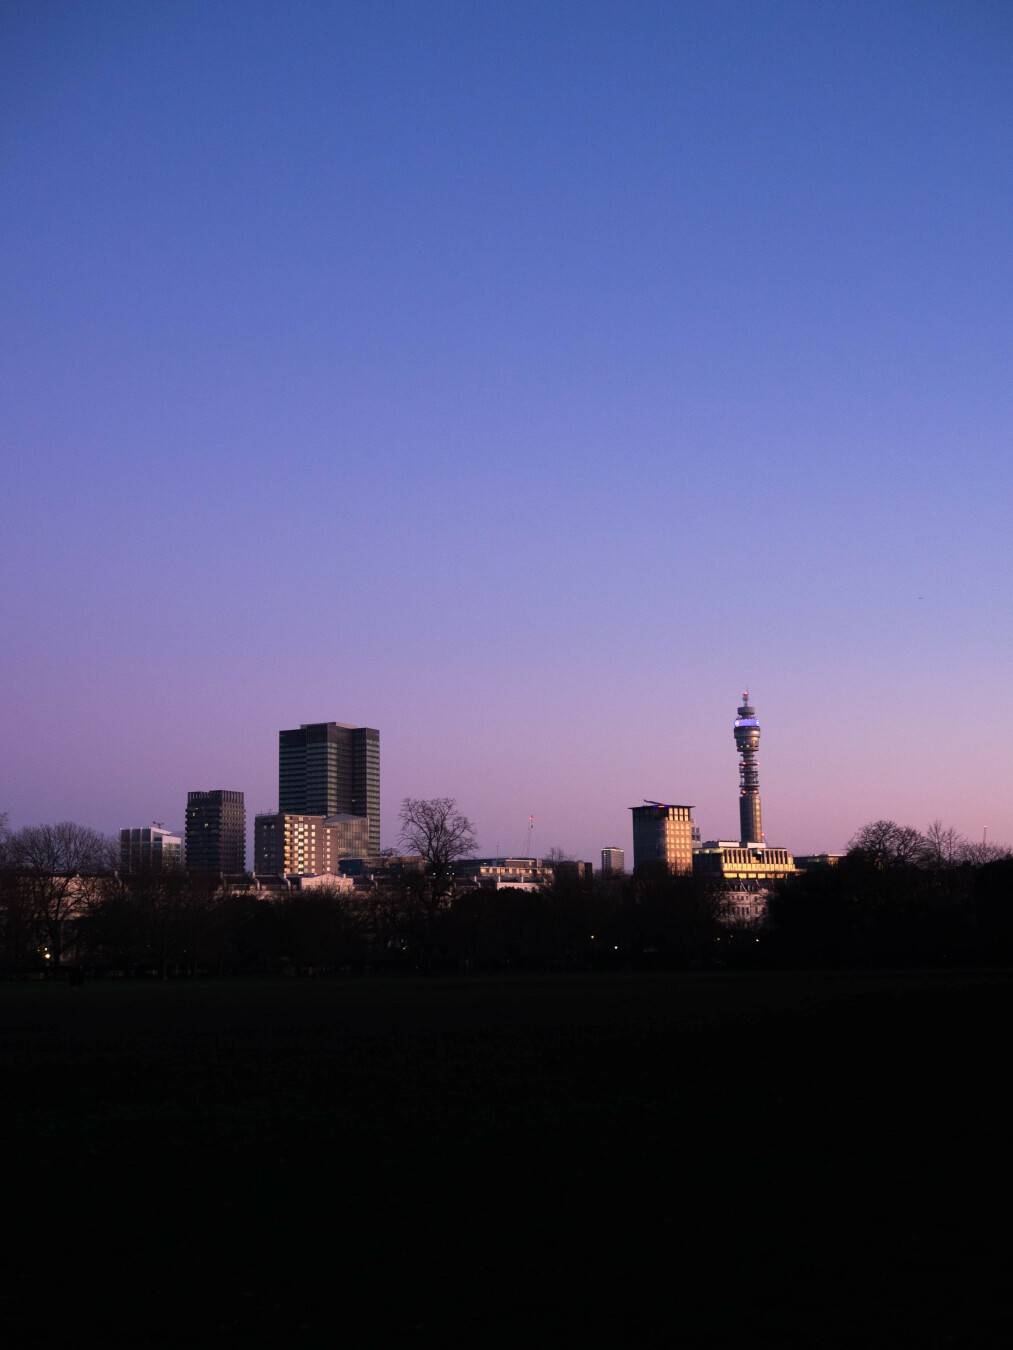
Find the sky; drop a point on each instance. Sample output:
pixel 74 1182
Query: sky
pixel 524 380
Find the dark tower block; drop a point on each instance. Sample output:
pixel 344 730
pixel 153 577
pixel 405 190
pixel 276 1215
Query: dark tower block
pixel 216 831
pixel 747 741
pixel 331 768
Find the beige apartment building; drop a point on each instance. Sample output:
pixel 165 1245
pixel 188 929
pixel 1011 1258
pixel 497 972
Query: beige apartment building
pixel 287 844
pixel 664 834
pixel 744 873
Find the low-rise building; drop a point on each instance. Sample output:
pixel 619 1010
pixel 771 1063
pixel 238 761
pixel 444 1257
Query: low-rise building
pixel 151 848
pixel 365 869
pixel 287 844
pixel 269 886
pixel 745 872
pixel 573 868
pixel 494 874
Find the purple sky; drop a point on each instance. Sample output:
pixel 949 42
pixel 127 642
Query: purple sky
pixel 524 380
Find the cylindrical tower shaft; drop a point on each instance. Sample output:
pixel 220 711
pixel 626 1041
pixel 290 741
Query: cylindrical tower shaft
pixel 747 740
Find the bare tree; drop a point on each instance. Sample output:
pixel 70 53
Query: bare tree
pixel 19 932
pixel 945 846
pixel 980 853
pixel 56 869
pixel 434 828
pixel 887 844
pixel 558 855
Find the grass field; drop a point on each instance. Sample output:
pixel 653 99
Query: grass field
pixel 770 1159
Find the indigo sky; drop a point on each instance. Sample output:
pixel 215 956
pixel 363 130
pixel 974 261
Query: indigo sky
pixel 524 380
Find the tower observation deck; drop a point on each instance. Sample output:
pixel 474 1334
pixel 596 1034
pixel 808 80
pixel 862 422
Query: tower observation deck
pixel 747 741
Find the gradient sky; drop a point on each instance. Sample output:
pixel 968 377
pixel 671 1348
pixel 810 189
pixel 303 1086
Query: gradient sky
pixel 521 379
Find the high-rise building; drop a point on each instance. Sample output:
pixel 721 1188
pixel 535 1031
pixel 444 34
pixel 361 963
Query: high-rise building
pixel 329 769
pixel 664 834
pixel 286 844
pixel 216 831
pixel 613 860
pixel 152 848
pixel 747 739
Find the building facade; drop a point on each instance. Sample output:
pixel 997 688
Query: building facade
pixel 494 874
pixel 216 831
pixel 330 769
pixel 287 844
pixel 664 835
pixel 723 860
pixel 744 873
pixel 613 861
pixel 278 887
pixel 152 848
pixel 572 869
pixel 350 836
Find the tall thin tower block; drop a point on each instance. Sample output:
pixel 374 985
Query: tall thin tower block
pixel 747 741
pixel 331 768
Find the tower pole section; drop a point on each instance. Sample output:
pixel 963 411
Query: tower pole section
pixel 747 741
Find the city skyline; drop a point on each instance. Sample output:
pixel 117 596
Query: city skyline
pixel 530 844
pixel 523 381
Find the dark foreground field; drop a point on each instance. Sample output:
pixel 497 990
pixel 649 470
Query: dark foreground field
pixel 815 1160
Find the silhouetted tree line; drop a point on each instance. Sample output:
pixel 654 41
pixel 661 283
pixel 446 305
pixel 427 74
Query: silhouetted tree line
pixel 897 898
pixel 175 924
pixel 69 907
